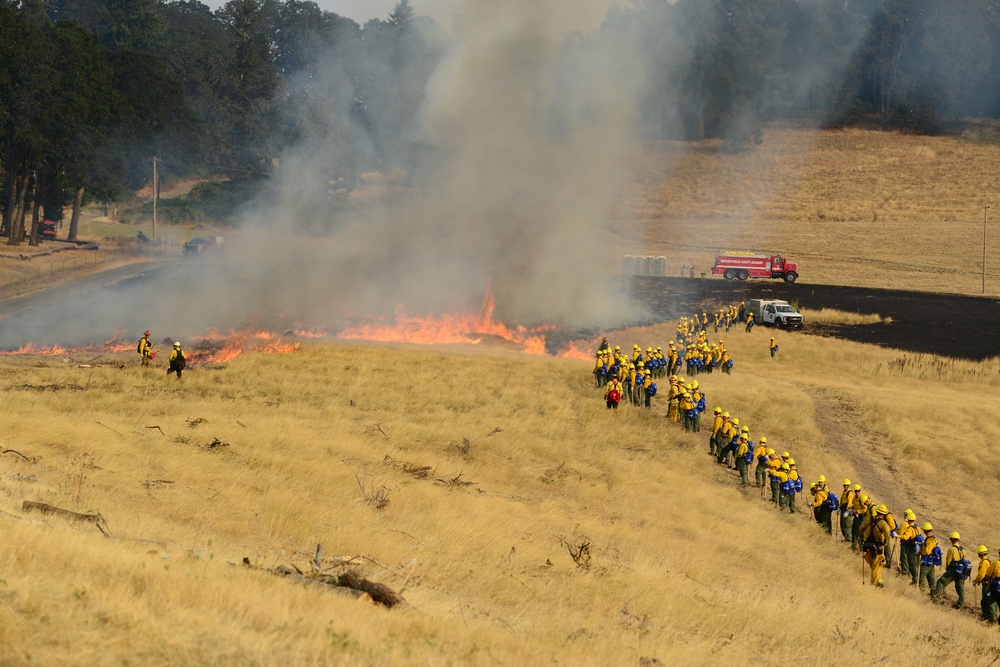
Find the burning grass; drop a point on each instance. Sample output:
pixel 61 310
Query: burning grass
pixel 840 317
pixel 485 568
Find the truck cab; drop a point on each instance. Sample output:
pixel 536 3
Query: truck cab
pixel 775 313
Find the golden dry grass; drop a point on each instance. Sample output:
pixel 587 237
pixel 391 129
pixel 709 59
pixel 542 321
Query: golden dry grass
pixel 852 206
pixel 686 567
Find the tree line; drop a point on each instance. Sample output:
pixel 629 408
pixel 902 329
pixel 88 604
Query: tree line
pixel 92 90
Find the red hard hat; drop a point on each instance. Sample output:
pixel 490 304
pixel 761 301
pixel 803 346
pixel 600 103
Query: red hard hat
pixel 147 332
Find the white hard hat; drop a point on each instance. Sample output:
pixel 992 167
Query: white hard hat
pixel 177 344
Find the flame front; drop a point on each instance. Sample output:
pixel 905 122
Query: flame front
pixel 467 328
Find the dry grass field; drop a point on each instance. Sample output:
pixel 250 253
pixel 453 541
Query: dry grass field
pixel 683 566
pixel 852 206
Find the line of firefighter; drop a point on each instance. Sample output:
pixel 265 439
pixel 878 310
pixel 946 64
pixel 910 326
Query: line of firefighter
pixel 632 379
pixel 867 526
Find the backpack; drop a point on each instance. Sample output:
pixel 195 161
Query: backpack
pixel 614 396
pixel 652 389
pixel 962 568
pixel 138 348
pixel 936 556
pixel 832 502
pixel 798 485
pixel 995 585
pixel 749 455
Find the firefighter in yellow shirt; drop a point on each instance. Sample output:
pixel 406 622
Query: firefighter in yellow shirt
pixel 822 511
pixel 716 427
pixel 145 349
pixel 687 407
pixel 773 464
pixel 742 449
pixel 781 475
pixel 774 348
pixel 861 504
pixel 761 455
pixel 909 558
pixel 993 584
pixel 953 561
pixel 846 510
pixel 981 579
pixel 930 557
pixel 874 546
pixel 793 477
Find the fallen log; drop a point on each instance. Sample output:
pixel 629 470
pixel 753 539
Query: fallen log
pixel 45 508
pixel 351 580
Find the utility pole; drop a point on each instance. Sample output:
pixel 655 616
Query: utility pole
pixel 156 195
pixel 985 209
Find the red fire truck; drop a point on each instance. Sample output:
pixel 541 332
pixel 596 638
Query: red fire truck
pixel 743 265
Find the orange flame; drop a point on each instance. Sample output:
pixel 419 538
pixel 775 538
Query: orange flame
pixel 467 328
pixel 113 344
pixel 571 351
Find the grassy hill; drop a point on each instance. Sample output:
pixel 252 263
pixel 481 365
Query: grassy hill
pixel 523 458
pixel 852 206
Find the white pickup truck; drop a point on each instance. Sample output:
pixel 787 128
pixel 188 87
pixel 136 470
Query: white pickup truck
pixel 775 313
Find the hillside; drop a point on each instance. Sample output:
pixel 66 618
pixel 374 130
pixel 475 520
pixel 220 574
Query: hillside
pixel 685 567
pixel 853 206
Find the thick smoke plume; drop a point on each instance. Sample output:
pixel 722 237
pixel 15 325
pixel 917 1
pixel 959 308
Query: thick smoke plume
pixel 525 134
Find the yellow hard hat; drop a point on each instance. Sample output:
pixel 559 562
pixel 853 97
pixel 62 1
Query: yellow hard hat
pixel 882 509
pixel 681 379
pixel 688 386
pixel 847 482
pixel 910 515
pixel 770 452
pixel 670 343
pixel 735 421
pixel 784 455
pixel 927 526
pixel 784 466
pixel 687 395
pixel 649 349
pixel 634 346
pixel 745 429
pixel 641 365
pixel 822 479
pixel 791 462
pixel 763 439
pixel 812 485
pixel 725 414
pixel 694 383
pixel 718 410
pixel 981 549
pixel 857 487
pixel 864 499
pixel 955 536
pixel 617 348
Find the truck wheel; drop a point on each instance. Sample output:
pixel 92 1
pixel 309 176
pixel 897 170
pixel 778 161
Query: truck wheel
pixel 729 274
pixel 791 276
pixel 779 323
pixel 743 274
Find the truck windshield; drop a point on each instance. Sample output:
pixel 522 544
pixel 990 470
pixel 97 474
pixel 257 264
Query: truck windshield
pixel 785 309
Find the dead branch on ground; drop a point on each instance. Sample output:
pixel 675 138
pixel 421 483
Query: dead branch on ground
pixel 496 429
pixel 155 483
pixel 192 423
pixel 45 508
pixel 376 428
pixel 110 429
pixel 158 428
pixel 580 552
pixel 373 492
pixel 14 451
pixel 351 580
pixel 420 472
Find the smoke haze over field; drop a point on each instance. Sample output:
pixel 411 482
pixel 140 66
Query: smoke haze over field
pixel 525 134
pixel 504 180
